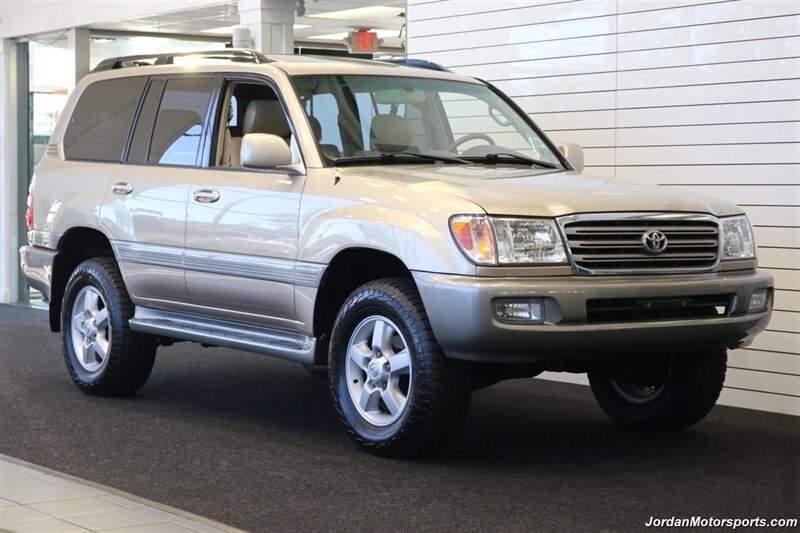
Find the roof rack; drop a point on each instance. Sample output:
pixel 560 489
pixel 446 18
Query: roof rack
pixel 239 55
pixel 417 63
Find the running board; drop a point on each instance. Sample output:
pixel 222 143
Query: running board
pixel 277 343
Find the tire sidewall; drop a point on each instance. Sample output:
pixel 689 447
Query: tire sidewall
pixel 690 391
pixel 88 274
pixel 352 314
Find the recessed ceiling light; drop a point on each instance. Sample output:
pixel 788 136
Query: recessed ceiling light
pixel 226 30
pixel 360 13
pixel 382 34
pixel 222 31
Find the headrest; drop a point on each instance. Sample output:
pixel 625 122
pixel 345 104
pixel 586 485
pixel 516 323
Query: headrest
pixel 266 116
pixel 390 133
pixel 316 127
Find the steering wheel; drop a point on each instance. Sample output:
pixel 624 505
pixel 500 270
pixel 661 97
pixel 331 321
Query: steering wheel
pixel 470 137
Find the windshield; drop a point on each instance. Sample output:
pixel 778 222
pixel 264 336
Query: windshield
pixel 397 119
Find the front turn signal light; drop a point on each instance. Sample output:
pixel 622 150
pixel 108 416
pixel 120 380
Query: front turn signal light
pixel 475 236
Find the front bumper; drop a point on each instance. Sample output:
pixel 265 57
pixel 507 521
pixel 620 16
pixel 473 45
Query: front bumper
pixel 460 309
pixel 37 265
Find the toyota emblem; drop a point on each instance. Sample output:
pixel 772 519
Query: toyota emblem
pixel 654 242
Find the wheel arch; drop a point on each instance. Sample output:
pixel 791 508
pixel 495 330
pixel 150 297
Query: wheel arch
pixel 75 246
pixel 349 269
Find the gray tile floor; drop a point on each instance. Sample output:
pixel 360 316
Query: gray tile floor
pixel 37 499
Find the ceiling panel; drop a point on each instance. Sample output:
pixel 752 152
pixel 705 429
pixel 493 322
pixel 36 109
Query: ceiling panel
pixel 204 20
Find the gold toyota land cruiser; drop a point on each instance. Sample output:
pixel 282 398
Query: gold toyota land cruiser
pixel 405 231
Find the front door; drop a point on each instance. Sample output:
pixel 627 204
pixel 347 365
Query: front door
pixel 241 233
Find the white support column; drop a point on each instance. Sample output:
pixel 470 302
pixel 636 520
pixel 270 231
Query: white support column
pixel 78 45
pixel 9 211
pixel 271 22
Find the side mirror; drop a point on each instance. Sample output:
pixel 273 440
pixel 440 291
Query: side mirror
pixel 264 150
pixel 574 154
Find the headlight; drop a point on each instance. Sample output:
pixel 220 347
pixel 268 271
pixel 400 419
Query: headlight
pixel 737 238
pixel 508 241
pixel 523 241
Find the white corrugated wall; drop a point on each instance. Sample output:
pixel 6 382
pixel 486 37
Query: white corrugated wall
pixel 700 95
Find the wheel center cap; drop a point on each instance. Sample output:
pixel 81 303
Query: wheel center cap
pixel 375 371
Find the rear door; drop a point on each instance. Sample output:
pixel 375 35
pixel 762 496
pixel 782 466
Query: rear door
pixel 146 212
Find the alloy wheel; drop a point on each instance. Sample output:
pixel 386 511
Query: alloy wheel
pixel 91 331
pixel 378 370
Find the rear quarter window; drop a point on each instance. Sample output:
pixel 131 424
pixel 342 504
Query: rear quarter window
pixel 99 126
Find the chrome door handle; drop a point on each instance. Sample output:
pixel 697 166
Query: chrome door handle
pixel 122 188
pixel 206 196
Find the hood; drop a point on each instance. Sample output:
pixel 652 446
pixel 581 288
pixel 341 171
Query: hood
pixel 539 192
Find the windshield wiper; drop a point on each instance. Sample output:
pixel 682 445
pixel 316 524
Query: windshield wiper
pixel 508 157
pixel 393 158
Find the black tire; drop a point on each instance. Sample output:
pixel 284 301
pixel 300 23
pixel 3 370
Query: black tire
pixel 439 389
pixel 318 371
pixel 130 354
pixel 685 387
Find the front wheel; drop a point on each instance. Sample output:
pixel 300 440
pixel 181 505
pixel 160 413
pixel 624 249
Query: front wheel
pixel 662 393
pixel 393 388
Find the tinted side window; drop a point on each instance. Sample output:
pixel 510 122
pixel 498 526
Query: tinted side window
pixel 179 125
pixel 144 124
pixel 99 127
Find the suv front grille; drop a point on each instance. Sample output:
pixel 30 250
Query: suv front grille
pixel 602 244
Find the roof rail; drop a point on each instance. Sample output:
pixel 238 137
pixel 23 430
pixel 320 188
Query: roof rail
pixel 417 63
pixel 240 55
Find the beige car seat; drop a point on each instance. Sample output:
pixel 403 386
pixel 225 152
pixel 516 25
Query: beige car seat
pixel 331 151
pixel 390 133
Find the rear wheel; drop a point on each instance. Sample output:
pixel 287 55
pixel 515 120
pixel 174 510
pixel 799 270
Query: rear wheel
pixel 394 390
pixel 103 355
pixel 666 392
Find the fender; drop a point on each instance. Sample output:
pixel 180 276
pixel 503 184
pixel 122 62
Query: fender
pixel 388 216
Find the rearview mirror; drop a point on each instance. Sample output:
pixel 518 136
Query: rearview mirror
pixel 574 154
pixel 403 95
pixel 264 150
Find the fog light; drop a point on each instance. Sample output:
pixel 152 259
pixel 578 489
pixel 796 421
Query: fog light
pixel 531 311
pixel 758 302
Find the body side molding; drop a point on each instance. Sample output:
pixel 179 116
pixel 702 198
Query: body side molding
pixel 246 266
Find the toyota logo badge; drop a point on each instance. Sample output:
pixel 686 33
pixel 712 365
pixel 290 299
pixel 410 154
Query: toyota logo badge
pixel 654 242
